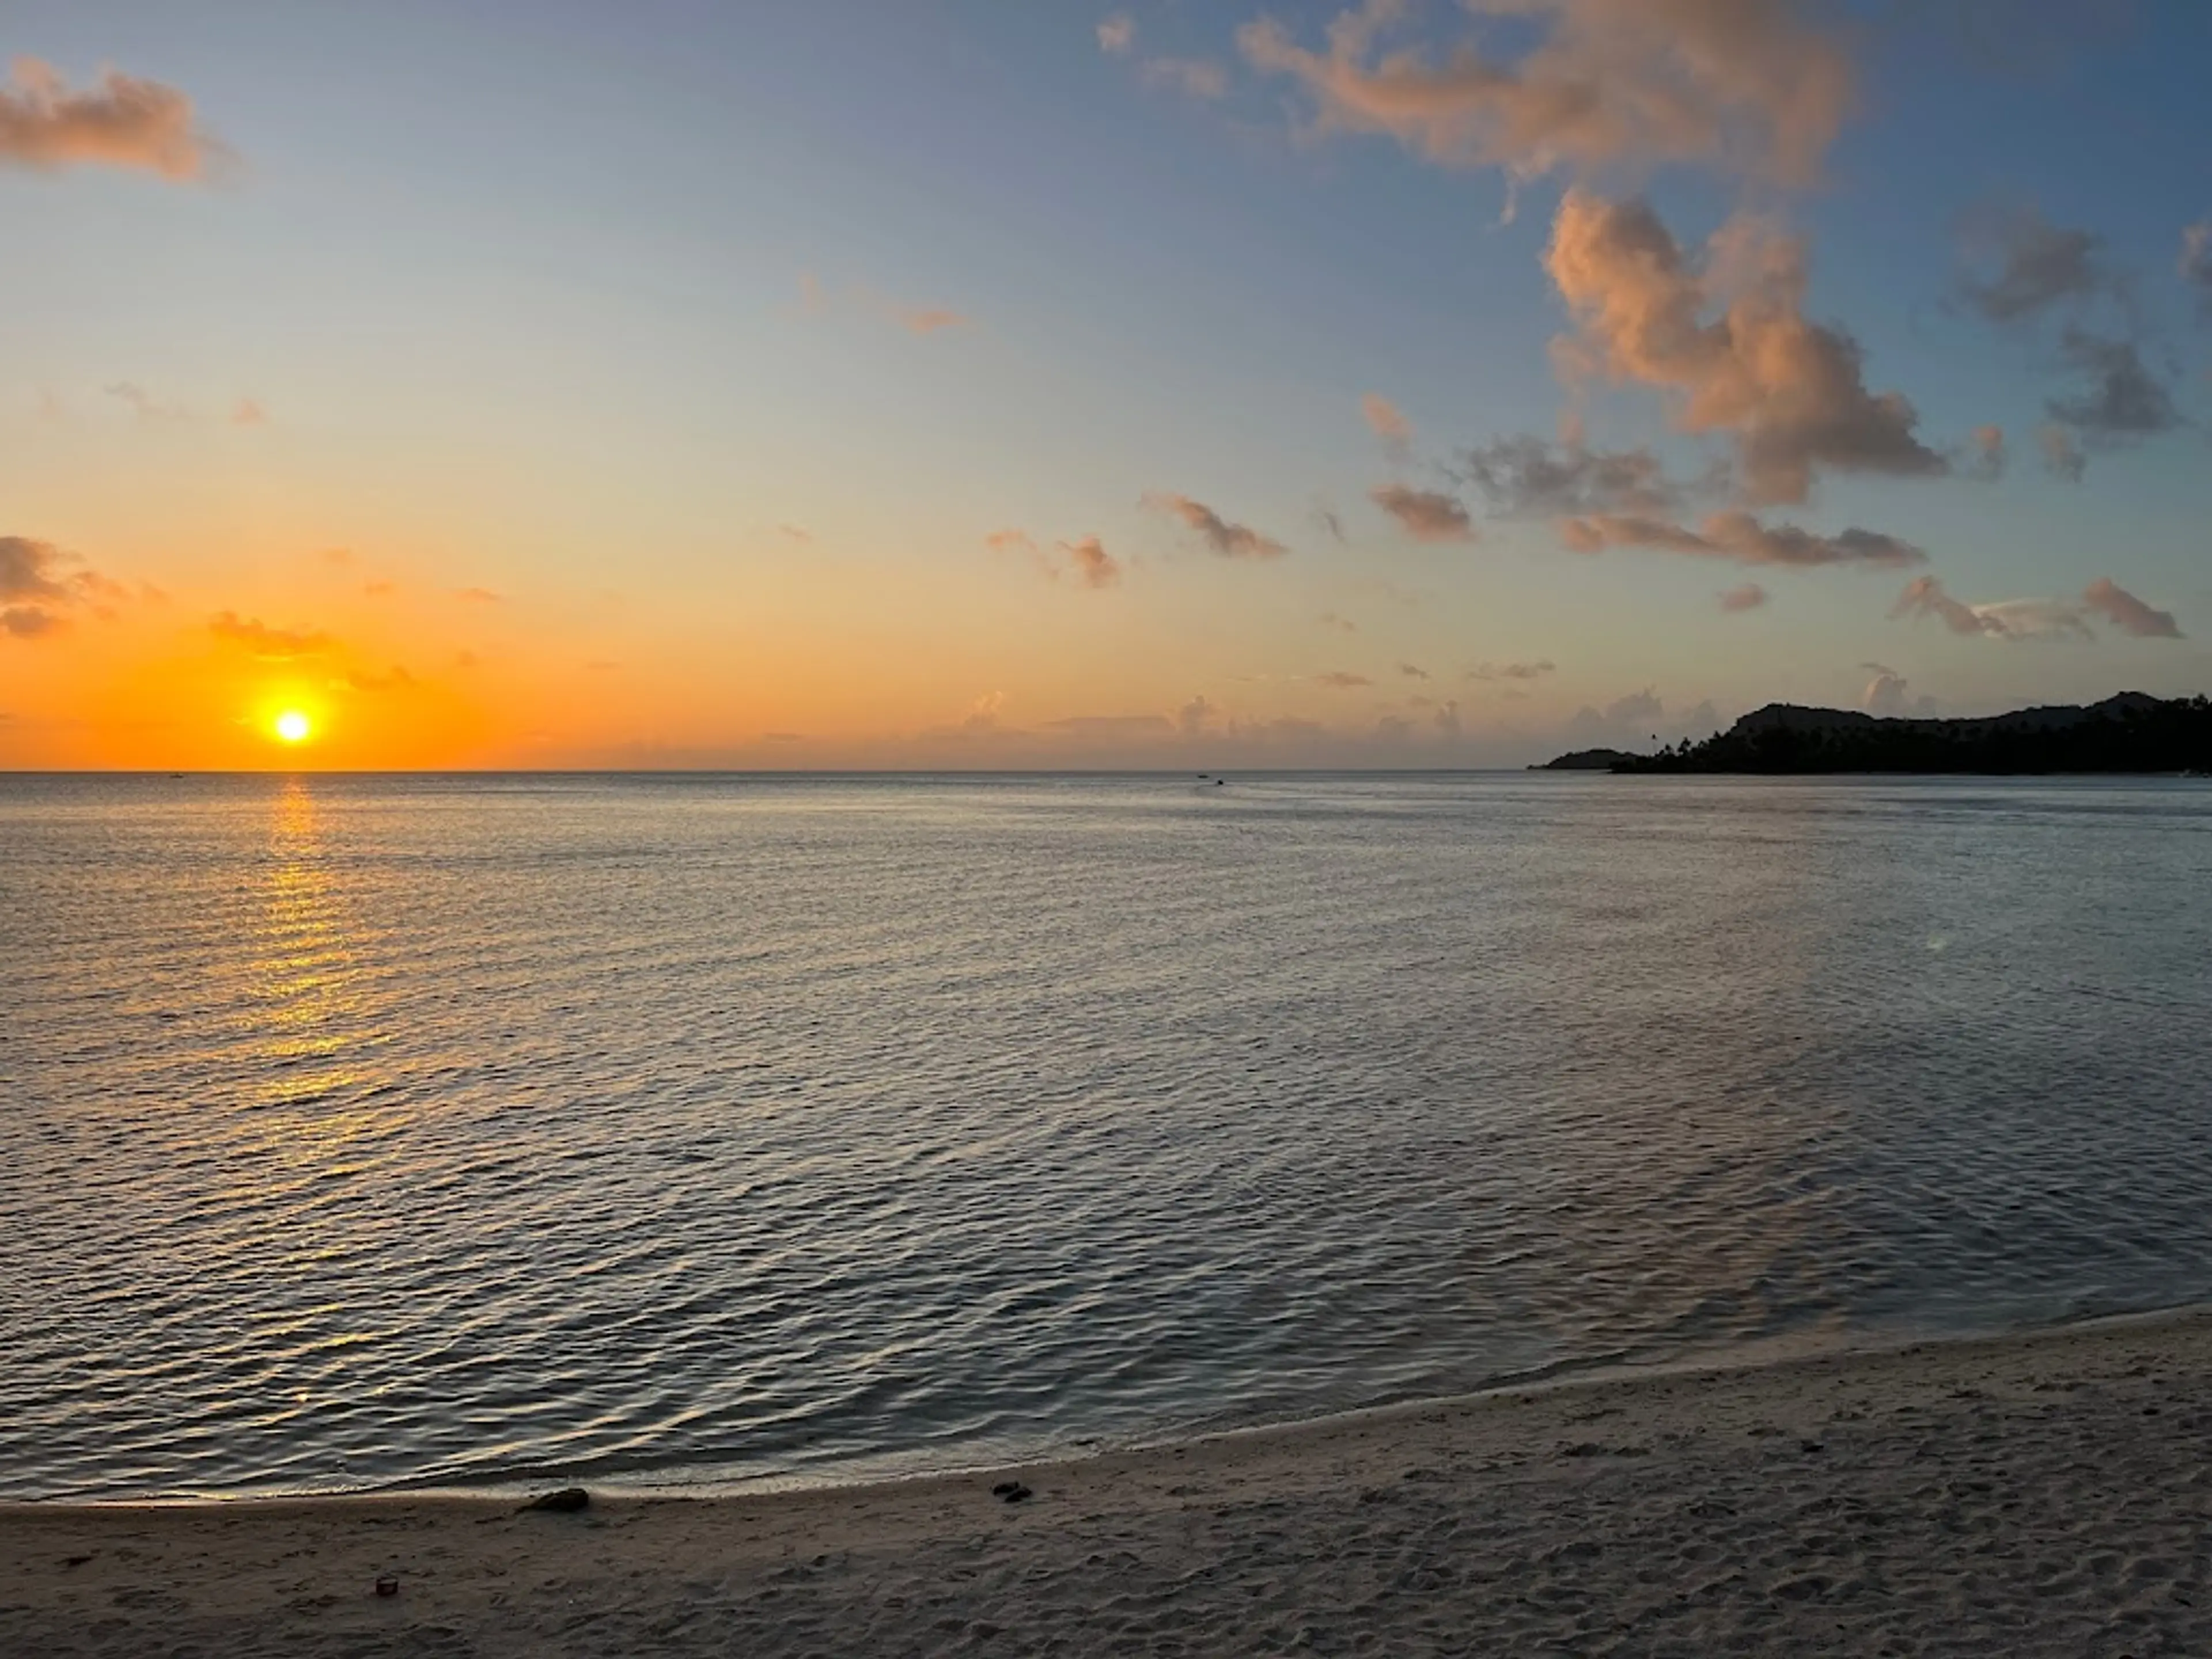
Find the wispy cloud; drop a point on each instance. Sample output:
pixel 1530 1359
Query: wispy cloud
pixel 1117 34
pixel 121 122
pixel 1412 672
pixel 1231 540
pixel 1512 671
pixel 1741 537
pixel 1526 476
pixel 1745 85
pixel 1749 596
pixel 1426 515
pixel 2031 266
pixel 1985 457
pixel 248 411
pixel 2128 613
pixel 1338 679
pixel 929 319
pixel 1385 420
pixel 2062 456
pixel 1094 567
pixel 270 644
pixel 142 404
pixel 2035 618
pixel 1085 558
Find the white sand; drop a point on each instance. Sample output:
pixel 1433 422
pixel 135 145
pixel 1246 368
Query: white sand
pixel 2037 1495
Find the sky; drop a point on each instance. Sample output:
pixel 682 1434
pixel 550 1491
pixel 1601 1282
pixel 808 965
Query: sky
pixel 952 384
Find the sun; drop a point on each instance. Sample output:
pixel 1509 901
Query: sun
pixel 292 727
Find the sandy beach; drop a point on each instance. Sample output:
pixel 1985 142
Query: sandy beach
pixel 2038 1494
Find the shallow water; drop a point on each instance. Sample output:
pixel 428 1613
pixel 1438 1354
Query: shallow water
pixel 366 1131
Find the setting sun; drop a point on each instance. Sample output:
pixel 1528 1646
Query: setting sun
pixel 292 727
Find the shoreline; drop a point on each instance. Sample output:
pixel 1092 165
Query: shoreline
pixel 1767 1353
pixel 2030 1491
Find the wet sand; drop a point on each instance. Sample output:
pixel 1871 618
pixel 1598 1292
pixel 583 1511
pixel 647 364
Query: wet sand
pixel 2043 1494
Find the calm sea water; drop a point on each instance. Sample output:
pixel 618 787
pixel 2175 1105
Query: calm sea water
pixel 357 1132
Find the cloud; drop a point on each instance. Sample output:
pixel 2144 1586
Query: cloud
pixel 39 583
pixel 1526 476
pixel 1638 705
pixel 1412 671
pixel 30 621
pixel 1924 596
pixel 2062 456
pixel 1231 541
pixel 1740 537
pixel 1511 670
pixel 1093 565
pixel 1426 515
pixel 396 678
pixel 797 532
pixel 1193 716
pixel 2196 266
pixel 1446 719
pixel 929 319
pixel 31 570
pixel 1885 692
pixel 1788 392
pixel 246 411
pixel 1341 624
pixel 2120 398
pixel 1326 519
pixel 1742 84
pixel 1985 457
pixel 1085 558
pixel 2128 613
pixel 272 644
pixel 2037 265
pixel 1383 416
pixel 1117 34
pixel 2002 619
pixel 142 404
pixel 477 595
pixel 1338 679
pixel 1750 596
pixel 122 122
pixel 1191 76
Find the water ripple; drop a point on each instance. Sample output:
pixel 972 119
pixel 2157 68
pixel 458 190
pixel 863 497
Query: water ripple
pixel 370 1132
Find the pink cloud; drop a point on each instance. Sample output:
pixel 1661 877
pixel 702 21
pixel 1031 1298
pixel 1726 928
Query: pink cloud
pixel 1788 391
pixel 2128 613
pixel 1426 515
pixel 1093 565
pixel 1231 541
pixel 1381 415
pixel 122 122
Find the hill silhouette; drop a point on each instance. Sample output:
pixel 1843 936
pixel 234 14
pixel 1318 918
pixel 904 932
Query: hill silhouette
pixel 2129 733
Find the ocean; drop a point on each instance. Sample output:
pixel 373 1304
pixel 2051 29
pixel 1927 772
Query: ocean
pixel 673 1131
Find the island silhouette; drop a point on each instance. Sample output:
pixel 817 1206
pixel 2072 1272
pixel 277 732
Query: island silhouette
pixel 2131 731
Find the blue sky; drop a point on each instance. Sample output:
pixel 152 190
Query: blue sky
pixel 616 314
